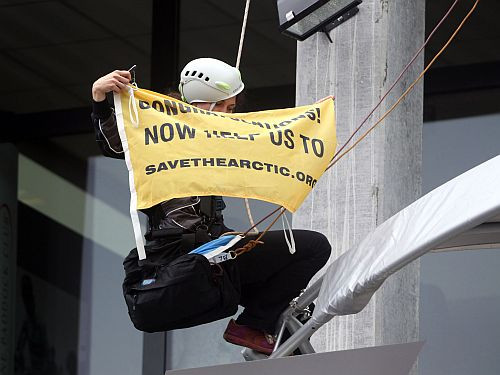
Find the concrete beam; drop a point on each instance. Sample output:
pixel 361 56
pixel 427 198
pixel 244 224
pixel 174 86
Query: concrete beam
pixel 383 174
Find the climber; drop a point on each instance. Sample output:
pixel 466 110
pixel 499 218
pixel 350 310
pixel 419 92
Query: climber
pixel 268 277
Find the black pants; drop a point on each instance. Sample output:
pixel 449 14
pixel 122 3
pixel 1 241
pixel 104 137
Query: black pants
pixel 271 277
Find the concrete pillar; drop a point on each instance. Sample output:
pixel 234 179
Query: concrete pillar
pixel 383 174
pixel 8 220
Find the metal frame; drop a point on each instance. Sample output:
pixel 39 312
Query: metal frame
pixel 300 333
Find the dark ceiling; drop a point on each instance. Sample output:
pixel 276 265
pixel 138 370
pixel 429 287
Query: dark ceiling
pixel 51 51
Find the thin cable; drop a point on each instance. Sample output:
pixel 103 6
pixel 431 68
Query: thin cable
pixel 242 36
pixel 397 79
pixel 238 60
pixel 409 88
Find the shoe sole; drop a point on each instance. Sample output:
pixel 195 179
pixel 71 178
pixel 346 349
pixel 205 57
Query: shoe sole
pixel 239 341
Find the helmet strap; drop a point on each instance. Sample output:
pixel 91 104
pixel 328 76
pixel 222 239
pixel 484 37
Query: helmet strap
pixel 183 98
pixel 212 106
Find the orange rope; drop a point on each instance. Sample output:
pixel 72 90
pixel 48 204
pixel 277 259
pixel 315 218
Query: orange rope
pixel 252 243
pixel 261 220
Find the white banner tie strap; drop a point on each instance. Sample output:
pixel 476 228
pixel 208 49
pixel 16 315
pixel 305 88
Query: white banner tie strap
pixel 134 216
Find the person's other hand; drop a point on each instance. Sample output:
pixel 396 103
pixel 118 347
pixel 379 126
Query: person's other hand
pixel 115 81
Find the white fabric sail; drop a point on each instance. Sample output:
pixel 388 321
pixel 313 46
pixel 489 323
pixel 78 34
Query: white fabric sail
pixel 450 210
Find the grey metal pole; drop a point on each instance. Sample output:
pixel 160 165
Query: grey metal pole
pixel 293 342
pixel 305 346
pixel 305 299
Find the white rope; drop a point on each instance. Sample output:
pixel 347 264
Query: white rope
pixel 106 138
pixel 132 108
pixel 250 218
pixel 242 36
pixel 238 60
pixel 290 243
pixel 134 216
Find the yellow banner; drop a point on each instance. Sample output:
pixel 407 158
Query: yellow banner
pixel 176 150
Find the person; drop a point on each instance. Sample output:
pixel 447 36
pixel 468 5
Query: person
pixel 269 275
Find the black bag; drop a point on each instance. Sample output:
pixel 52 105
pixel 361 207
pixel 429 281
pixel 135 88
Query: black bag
pixel 185 292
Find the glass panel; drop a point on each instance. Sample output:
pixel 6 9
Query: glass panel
pixel 74 231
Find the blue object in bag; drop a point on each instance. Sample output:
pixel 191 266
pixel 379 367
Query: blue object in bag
pixel 212 245
pixel 217 246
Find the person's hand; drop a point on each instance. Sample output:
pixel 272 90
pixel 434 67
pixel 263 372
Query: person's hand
pixel 115 81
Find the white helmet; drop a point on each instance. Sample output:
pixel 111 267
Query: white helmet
pixel 209 80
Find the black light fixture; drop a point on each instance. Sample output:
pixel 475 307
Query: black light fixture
pixel 300 19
